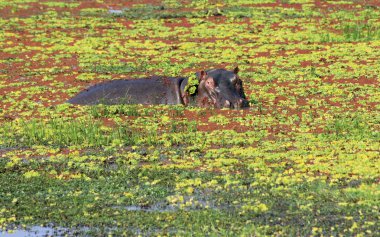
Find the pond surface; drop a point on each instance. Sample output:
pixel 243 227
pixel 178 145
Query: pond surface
pixel 36 231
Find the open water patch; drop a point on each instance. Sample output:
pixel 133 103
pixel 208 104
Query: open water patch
pixel 188 203
pixel 42 231
pixel 117 12
pixel 158 207
pixel 37 231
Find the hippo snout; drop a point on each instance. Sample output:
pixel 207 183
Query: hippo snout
pixel 244 103
pixel 237 104
pixel 240 103
pixel 227 104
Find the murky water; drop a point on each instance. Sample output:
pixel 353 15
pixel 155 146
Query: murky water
pixel 39 231
pixel 36 231
pixel 192 204
pixel 116 12
pixel 154 208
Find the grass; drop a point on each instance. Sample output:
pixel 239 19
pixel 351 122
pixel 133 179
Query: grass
pixel 101 196
pixel 361 32
pixel 60 132
pixel 355 127
pixel 353 32
pixel 301 161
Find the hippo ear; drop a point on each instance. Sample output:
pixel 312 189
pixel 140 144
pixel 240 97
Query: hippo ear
pixel 236 70
pixel 202 75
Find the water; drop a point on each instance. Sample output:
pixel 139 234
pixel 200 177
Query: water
pixel 35 231
pixel 192 204
pixel 155 208
pixel 39 231
pixel 116 11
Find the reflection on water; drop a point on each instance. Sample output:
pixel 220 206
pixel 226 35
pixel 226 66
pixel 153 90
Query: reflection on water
pixel 116 12
pixel 188 203
pixel 154 208
pixel 35 231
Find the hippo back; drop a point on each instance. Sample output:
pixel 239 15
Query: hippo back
pixel 156 90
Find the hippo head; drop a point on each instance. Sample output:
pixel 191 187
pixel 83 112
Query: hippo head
pixel 206 92
pixel 222 88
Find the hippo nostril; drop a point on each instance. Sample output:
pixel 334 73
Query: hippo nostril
pixel 238 103
pixel 245 103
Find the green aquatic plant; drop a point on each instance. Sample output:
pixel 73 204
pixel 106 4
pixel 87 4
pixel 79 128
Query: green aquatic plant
pixel 192 84
pixel 301 161
pixel 361 32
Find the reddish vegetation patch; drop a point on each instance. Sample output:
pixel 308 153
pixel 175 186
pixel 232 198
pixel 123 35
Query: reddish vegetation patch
pixel 274 5
pixel 90 4
pixel 323 4
pixel 303 51
pixel 17 71
pixel 374 3
pixel 22 11
pixel 306 63
pixel 362 80
pixel 183 22
pixel 128 24
pixel 124 4
pixel 219 19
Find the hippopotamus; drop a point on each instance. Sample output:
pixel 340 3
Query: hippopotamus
pixel 217 88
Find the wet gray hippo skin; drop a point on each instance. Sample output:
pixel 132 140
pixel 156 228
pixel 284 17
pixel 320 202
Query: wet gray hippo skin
pixel 156 90
pixel 223 89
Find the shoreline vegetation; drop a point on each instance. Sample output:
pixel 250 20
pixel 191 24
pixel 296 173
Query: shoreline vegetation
pixel 303 160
